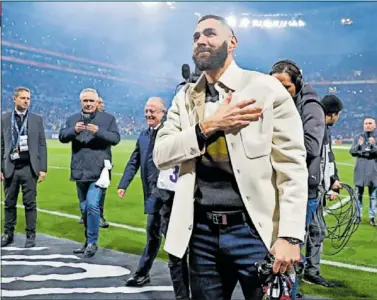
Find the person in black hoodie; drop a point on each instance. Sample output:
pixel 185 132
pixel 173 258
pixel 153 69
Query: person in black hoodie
pixel 313 120
pixel 330 184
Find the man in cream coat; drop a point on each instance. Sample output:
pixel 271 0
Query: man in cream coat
pixel 242 188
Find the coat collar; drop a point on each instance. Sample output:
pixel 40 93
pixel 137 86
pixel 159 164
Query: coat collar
pixel 231 79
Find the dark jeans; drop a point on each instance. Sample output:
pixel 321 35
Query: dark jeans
pixel 152 245
pixel 179 274
pixel 25 178
pixel 219 256
pixel 90 195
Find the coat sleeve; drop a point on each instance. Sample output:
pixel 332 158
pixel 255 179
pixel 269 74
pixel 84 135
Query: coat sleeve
pixel 110 135
pixel 67 132
pixel 355 150
pixel 288 158
pixel 131 168
pixel 175 145
pixel 42 147
pixel 313 119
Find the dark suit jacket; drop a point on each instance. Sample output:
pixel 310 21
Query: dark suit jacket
pixel 36 143
pixel 90 150
pixel 142 157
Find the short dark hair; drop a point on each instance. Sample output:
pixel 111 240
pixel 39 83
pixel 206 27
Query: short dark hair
pixel 218 18
pixel 332 104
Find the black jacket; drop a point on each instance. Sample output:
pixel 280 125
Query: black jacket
pixel 36 143
pixel 365 172
pixel 142 157
pixel 313 120
pixel 90 150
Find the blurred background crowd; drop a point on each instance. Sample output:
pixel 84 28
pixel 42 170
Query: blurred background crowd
pixel 129 52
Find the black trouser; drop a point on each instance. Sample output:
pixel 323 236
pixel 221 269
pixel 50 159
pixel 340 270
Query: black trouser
pixel 25 178
pixel 152 246
pixel 179 274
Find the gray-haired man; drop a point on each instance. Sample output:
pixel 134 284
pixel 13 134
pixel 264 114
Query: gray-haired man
pixel 92 134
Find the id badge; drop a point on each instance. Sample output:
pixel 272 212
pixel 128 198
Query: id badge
pixel 23 143
pixel 14 156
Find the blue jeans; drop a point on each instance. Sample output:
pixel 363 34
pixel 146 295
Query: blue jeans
pixel 311 209
pixel 219 256
pixel 90 195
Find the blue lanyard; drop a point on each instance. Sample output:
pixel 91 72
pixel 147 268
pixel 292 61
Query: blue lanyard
pixel 20 131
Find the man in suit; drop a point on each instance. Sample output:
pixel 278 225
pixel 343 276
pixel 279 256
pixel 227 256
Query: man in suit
pixel 364 148
pixel 238 139
pixel 142 158
pixel 102 221
pixel 92 134
pixel 24 163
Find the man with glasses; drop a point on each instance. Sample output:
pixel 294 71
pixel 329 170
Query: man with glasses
pixel 142 158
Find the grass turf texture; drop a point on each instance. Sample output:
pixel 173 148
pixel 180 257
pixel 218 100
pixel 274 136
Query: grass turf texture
pixel 57 193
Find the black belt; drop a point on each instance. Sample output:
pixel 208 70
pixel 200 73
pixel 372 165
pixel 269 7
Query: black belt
pixel 227 218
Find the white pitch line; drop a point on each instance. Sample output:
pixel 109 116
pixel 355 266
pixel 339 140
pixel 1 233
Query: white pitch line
pixel 338 204
pixel 23 249
pixel 347 266
pixel 345 164
pixel 70 216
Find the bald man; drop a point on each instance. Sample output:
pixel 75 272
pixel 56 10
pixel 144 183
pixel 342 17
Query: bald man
pixel 142 158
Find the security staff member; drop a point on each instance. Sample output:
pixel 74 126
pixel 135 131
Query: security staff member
pixel 24 163
pixel 364 148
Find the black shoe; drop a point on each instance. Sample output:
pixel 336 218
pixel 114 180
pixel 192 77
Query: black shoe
pixel 81 221
pixel 90 250
pixel 138 281
pixel 6 239
pixel 317 279
pixel 373 222
pixel 80 250
pixel 103 223
pixel 30 241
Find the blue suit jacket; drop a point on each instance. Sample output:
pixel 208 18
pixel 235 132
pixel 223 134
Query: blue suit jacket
pixel 142 157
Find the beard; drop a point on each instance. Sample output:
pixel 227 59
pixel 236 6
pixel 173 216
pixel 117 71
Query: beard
pixel 214 61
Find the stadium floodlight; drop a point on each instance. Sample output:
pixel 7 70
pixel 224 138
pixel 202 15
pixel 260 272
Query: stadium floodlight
pixel 232 21
pixel 245 22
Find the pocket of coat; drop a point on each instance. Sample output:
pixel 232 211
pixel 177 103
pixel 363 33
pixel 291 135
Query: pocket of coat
pixel 257 137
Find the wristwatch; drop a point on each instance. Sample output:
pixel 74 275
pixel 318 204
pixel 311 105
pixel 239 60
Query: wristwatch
pixel 292 241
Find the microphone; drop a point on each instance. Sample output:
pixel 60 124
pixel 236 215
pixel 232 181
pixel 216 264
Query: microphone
pixel 196 75
pixel 186 72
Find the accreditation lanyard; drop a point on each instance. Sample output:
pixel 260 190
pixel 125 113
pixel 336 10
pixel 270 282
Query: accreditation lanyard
pixel 20 131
